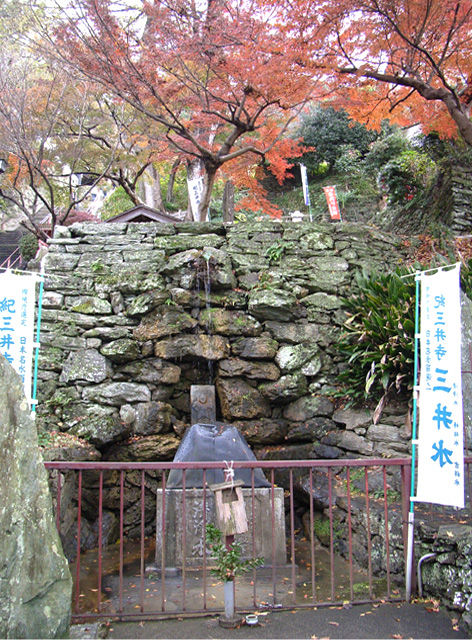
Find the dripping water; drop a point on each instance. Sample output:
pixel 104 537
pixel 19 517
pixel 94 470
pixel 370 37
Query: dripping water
pixel 207 285
pixel 203 273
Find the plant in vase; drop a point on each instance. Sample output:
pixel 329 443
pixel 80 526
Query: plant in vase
pixel 229 564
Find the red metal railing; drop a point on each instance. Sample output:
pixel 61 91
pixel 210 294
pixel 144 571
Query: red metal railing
pixel 13 260
pixel 312 579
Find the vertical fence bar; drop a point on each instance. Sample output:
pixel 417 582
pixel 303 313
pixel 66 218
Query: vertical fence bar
pixel 406 483
pixel 204 541
pixel 292 539
pixel 349 523
pixel 312 540
pixel 163 538
pixel 369 542
pixel 143 527
pixel 79 523
pixel 387 540
pixel 253 508
pixel 100 540
pixel 58 501
pixel 120 594
pixel 331 532
pixel 184 540
pixel 274 570
pixel 467 479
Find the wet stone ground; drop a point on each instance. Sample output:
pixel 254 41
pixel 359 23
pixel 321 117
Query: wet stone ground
pixel 186 592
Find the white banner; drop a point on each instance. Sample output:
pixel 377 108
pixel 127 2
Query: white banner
pixel 17 297
pixel 306 193
pixel 195 190
pixel 441 437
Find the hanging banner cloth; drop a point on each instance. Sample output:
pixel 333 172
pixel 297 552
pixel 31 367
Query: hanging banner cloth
pixel 441 438
pixel 195 190
pixel 17 302
pixel 332 200
pixel 306 193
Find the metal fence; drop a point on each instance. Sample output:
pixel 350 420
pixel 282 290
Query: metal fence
pixel 344 535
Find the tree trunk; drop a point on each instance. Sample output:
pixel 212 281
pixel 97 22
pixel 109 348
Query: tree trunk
pixel 200 180
pixel 170 185
pixel 228 202
pixel 150 191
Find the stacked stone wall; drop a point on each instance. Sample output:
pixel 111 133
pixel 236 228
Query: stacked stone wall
pixel 134 314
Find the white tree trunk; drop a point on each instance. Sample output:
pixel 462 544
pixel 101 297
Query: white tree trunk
pixel 150 189
pixel 200 184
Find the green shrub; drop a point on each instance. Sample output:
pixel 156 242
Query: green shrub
pixel 28 246
pixel 406 177
pixel 378 337
pixel 466 278
pixel 229 561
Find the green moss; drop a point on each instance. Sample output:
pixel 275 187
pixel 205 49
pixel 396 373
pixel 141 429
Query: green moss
pixel 322 530
pixel 84 307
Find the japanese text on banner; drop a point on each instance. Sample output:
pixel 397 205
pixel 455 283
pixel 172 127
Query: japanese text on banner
pixel 306 193
pixel 332 200
pixel 441 438
pixel 195 190
pixel 17 297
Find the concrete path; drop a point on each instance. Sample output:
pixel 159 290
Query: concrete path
pixel 395 621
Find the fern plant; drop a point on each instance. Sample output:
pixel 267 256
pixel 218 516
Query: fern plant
pixel 378 336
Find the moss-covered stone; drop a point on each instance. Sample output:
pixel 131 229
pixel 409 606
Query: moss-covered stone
pixel 122 350
pixel 89 305
pixel 229 322
pixel 273 304
pixel 285 389
pixel 181 242
pixel 163 322
pixel 146 302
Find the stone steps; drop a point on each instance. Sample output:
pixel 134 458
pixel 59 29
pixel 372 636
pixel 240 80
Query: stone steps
pixel 9 241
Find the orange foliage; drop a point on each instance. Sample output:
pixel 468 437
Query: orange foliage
pixel 221 80
pixel 406 60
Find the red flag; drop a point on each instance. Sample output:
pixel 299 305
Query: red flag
pixel 330 193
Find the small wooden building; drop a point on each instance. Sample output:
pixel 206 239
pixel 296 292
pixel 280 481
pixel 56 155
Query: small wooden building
pixel 142 213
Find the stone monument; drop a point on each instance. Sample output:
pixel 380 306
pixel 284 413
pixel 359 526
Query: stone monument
pixel 184 521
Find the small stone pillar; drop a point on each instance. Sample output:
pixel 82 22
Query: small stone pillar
pixel 202 404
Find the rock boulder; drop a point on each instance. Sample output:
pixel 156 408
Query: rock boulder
pixel 35 582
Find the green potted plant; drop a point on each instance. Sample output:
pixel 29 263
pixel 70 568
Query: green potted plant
pixel 229 564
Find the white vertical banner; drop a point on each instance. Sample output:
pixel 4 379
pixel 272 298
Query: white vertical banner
pixel 306 193
pixel 195 190
pixel 441 436
pixel 17 299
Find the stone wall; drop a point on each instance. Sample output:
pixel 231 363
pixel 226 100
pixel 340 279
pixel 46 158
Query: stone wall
pixel 461 192
pixel 450 201
pixel 134 314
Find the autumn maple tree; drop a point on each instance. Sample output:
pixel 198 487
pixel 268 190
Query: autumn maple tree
pixel 221 79
pixel 43 159
pixel 407 60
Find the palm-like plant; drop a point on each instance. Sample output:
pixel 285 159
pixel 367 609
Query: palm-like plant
pixel 378 336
